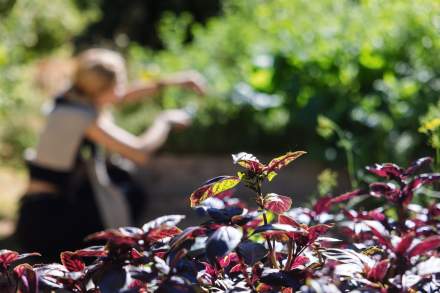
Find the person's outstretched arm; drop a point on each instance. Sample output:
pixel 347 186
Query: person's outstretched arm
pixel 136 148
pixel 190 80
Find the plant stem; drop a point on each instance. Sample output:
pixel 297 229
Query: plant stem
pixel 289 256
pixel 270 246
pixel 260 202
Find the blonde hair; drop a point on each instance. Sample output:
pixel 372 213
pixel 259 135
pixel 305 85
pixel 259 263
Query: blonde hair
pixel 97 70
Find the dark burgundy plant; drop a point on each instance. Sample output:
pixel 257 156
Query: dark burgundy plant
pixel 16 277
pixel 388 242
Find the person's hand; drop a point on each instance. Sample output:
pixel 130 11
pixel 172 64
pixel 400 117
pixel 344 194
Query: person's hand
pixel 176 118
pixel 193 81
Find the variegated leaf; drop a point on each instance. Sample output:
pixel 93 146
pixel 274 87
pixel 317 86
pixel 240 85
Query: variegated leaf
pixel 280 162
pixel 249 162
pixel 213 188
pixel 277 203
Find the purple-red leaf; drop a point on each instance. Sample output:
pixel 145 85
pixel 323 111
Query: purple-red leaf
pixel 277 203
pixel 317 230
pixel 346 196
pixel 281 161
pixel 387 190
pixel 72 261
pixel 188 233
pixel 322 205
pixel 121 236
pixel 28 281
pixel 228 259
pixel 325 203
pixel 155 235
pixel 383 239
pixel 283 219
pixel 404 243
pixel 92 251
pixel 415 166
pixel 299 261
pixel 7 257
pixel 378 272
pixel 164 221
pixel 416 183
pixel 430 243
pixel 387 170
pixel 222 241
pixel 214 187
pixel 249 162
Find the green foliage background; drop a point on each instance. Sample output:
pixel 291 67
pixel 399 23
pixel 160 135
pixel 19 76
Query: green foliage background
pixel 370 66
pixel 272 68
pixel 30 30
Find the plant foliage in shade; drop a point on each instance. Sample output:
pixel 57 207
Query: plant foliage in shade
pixel 334 246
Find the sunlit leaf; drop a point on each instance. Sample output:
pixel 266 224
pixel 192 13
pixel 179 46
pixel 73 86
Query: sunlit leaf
pixel 378 272
pixel 242 156
pixel 249 162
pixel 284 219
pixel 228 259
pixel 7 257
pixel 430 243
pixel 187 234
pixel 72 261
pixel 281 161
pixel 222 241
pixel 275 228
pixel 428 267
pixel 380 232
pixel 349 256
pixel 277 203
pixel 120 236
pixel 213 188
pixel 92 251
pixel 168 221
pixel 299 261
pixel 158 234
pixel 404 243
pixel 387 170
pixel 317 230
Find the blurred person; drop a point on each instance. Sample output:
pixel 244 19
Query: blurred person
pixel 70 193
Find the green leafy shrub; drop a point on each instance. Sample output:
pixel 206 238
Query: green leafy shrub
pixel 274 66
pixel 29 30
